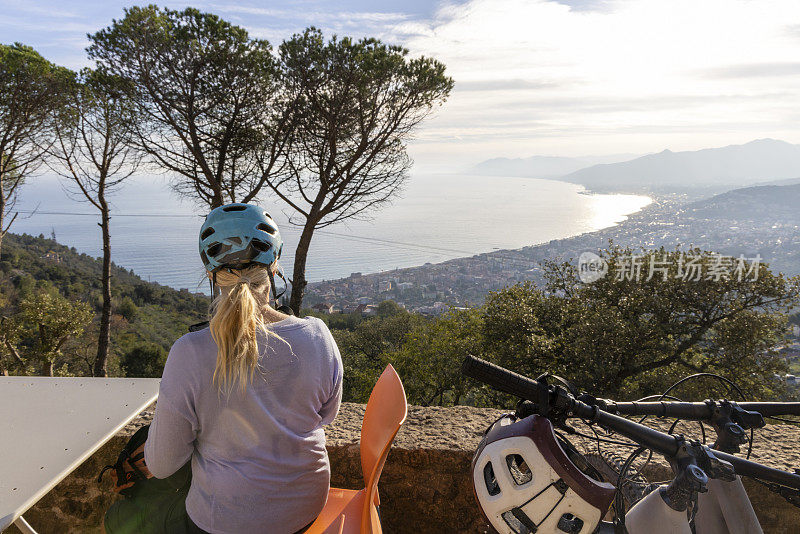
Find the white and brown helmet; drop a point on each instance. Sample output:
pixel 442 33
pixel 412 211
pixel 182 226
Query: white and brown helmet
pixel 526 480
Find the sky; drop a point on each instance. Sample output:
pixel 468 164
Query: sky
pixel 533 77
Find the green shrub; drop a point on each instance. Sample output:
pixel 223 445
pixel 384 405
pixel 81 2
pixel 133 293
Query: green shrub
pixel 144 361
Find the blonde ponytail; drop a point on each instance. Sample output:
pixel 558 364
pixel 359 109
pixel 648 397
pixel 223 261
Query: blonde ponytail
pixel 236 321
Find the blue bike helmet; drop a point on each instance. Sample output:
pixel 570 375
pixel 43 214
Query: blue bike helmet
pixel 236 235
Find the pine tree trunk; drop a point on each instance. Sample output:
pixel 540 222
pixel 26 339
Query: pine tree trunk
pixel 104 338
pixel 299 275
pixel 2 209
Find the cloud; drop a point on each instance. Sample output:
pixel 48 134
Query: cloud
pixel 793 30
pixel 49 11
pixel 276 24
pixel 282 19
pixel 756 70
pixel 604 72
pixel 246 10
pixel 43 25
pixel 586 5
pixel 321 17
pixel 540 76
pixel 502 85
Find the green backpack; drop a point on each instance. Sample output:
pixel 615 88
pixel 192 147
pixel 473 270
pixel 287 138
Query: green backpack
pixel 149 505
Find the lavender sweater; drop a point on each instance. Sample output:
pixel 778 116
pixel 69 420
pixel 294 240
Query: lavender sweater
pixel 259 462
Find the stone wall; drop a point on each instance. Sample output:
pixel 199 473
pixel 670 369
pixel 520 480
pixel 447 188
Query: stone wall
pixel 425 486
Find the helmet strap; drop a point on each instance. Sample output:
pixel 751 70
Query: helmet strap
pixel 275 293
pixel 212 282
pixel 281 308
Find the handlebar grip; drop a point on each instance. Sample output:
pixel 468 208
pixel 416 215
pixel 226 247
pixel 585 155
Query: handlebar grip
pixel 501 379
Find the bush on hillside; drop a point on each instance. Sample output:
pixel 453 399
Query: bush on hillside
pixel 127 309
pixel 144 361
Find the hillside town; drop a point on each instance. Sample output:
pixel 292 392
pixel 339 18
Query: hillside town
pixel 768 229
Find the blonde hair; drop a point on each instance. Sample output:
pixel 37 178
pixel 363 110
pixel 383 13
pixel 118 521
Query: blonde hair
pixel 236 321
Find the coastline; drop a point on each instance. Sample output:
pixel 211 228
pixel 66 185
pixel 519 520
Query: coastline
pixel 464 281
pixel 766 226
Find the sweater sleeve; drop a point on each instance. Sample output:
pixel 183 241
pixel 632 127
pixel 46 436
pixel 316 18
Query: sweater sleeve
pixel 170 441
pixel 331 407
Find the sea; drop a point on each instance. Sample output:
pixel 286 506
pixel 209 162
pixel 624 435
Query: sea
pixel 436 217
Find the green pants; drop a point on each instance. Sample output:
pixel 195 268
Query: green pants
pixel 152 506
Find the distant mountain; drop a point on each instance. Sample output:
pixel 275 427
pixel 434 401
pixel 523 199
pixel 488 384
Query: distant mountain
pixel 713 169
pixel 542 166
pixel 767 204
pixel 790 181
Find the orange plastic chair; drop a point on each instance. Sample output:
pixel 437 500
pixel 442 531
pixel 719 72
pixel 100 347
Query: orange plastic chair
pixel 355 511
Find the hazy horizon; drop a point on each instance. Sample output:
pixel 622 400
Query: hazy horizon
pixel 534 77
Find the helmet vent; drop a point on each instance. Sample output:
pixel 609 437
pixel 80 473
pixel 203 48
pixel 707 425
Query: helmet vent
pixel 570 524
pixel 207 232
pixel 215 249
pixel 235 240
pixel 520 471
pixel 515 522
pixel 260 245
pixel 234 208
pixel 491 481
pixel 267 228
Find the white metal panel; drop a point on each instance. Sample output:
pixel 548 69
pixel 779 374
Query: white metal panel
pixel 49 426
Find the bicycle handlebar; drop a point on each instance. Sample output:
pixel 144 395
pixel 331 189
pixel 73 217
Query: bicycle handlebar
pixel 667 445
pixel 695 410
pixel 525 388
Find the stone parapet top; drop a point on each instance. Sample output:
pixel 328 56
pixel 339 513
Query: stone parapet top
pixel 460 428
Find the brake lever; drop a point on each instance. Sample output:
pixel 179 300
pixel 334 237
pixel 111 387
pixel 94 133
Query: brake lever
pixel 745 418
pixel 601 404
pixel 557 411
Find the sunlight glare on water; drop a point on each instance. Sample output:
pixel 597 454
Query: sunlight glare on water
pixel 608 210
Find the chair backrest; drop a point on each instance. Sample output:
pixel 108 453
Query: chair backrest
pixel 386 411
